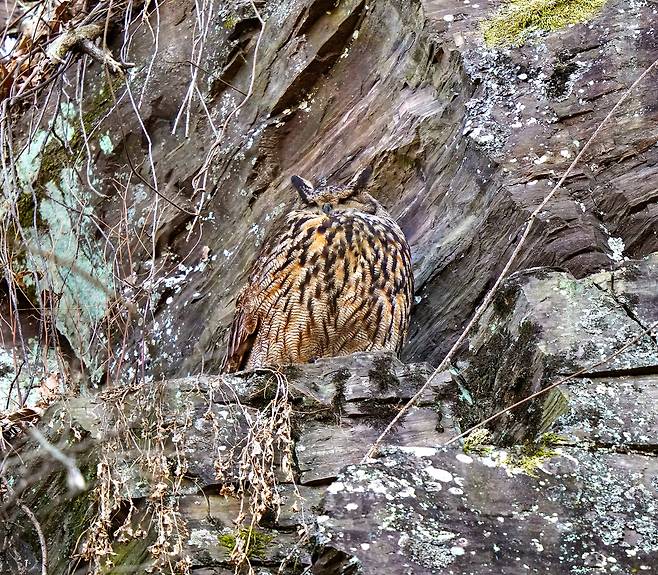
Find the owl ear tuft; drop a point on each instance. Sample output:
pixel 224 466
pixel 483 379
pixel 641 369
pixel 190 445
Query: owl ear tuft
pixel 304 187
pixel 361 179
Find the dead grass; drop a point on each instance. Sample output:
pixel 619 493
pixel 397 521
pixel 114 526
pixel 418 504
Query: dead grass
pixel 86 304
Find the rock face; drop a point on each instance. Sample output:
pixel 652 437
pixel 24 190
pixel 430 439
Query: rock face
pixel 132 211
pixel 545 324
pixel 465 140
pixel 576 491
pixel 447 512
pixel 165 465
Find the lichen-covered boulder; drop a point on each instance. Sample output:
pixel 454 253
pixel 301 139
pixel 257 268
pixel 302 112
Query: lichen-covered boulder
pixel 545 324
pixel 203 472
pixel 435 511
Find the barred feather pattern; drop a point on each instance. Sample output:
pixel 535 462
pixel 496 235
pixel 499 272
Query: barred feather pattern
pixel 324 285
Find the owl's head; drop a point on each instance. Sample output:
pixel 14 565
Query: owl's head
pixel 328 198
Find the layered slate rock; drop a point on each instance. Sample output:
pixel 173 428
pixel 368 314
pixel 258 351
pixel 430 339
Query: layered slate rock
pixel 544 325
pixel 568 482
pixel 464 140
pixel 164 465
pixel 446 512
pixel 575 488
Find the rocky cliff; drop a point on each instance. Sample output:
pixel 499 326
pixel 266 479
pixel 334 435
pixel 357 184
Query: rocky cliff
pixel 135 201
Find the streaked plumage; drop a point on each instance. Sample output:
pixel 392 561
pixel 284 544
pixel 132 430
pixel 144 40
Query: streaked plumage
pixel 333 278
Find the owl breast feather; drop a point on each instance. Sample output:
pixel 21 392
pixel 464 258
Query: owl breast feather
pixel 329 286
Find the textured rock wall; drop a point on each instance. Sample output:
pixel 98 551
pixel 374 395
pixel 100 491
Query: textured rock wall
pixel 464 140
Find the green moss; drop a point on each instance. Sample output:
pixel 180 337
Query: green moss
pixel 255 542
pixel 533 454
pixel 56 155
pixel 338 401
pixel 292 372
pixel 133 555
pixel 499 373
pixel 382 374
pixel 26 210
pixel 478 442
pixel 231 21
pixel 62 517
pixel 517 19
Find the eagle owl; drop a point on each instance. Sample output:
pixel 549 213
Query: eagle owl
pixel 333 278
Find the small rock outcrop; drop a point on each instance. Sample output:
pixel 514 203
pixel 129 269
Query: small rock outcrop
pixel 134 202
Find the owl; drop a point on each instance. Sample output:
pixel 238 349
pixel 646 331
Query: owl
pixel 333 278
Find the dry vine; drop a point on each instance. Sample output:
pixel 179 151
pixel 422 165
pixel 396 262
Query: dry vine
pixel 42 88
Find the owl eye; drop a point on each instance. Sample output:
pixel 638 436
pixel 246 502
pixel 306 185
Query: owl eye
pixel 326 208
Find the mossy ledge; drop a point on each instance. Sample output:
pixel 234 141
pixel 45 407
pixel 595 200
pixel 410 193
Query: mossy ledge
pixel 515 21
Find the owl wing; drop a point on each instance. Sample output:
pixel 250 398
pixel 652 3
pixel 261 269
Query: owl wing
pixel 246 321
pixel 243 333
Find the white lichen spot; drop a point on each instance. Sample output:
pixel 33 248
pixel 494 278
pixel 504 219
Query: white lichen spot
pixel 464 458
pixel 438 474
pixel 617 246
pixel 537 545
pixel 105 143
pixel 365 546
pixel 29 161
pixel 351 506
pixel 202 538
pixel 336 487
pixel 456 551
pixel 407 492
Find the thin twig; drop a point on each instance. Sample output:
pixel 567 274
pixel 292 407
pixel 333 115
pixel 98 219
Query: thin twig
pixel 42 539
pixel 35 522
pixel 74 478
pixel 208 72
pixel 490 294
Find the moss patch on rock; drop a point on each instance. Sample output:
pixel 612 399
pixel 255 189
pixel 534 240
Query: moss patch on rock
pixel 254 542
pixel 530 456
pixel 517 19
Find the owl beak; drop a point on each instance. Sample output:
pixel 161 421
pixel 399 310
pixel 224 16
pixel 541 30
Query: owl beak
pixel 304 187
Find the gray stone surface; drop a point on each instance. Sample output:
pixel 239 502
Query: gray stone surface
pixel 544 325
pixel 173 453
pixel 465 141
pixel 444 512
